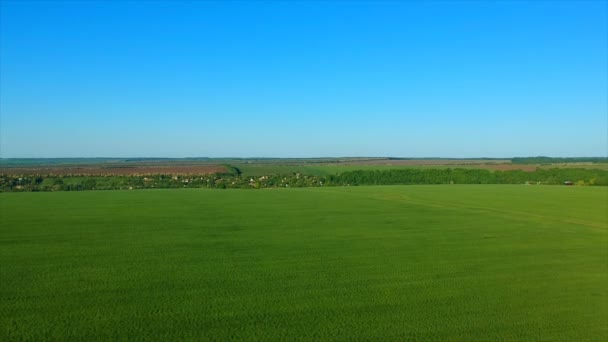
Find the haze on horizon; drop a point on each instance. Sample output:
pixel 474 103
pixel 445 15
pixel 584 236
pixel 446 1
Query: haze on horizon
pixel 282 79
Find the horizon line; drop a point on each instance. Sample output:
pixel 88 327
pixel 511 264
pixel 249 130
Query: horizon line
pixel 320 157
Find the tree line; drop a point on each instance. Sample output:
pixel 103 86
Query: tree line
pixel 235 179
pixel 471 176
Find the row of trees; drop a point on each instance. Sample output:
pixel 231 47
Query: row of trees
pixel 471 176
pixel 237 180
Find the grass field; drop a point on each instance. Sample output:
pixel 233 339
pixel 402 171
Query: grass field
pixel 332 169
pixel 325 170
pixel 367 263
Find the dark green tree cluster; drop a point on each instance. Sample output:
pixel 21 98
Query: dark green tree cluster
pixel 471 176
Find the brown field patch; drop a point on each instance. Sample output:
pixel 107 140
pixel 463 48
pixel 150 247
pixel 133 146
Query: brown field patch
pixel 115 170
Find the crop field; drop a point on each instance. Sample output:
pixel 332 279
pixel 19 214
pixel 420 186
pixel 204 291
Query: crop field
pixel 261 167
pixel 336 168
pixel 445 262
pixel 99 170
pixel 332 169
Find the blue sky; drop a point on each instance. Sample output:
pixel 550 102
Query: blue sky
pixel 303 79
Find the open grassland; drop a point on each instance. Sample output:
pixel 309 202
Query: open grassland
pixel 468 262
pixel 333 169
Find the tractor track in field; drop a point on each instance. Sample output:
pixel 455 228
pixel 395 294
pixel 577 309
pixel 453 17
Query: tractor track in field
pixel 513 214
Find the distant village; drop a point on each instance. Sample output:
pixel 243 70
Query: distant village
pixel 556 176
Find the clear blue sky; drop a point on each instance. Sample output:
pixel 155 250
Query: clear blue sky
pixel 279 79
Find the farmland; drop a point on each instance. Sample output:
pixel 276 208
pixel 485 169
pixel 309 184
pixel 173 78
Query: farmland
pixel 440 262
pixel 332 169
pixel 275 166
pixel 116 170
pixel 336 166
pixel 24 175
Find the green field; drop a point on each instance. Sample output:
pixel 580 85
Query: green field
pixel 459 262
pixel 332 169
